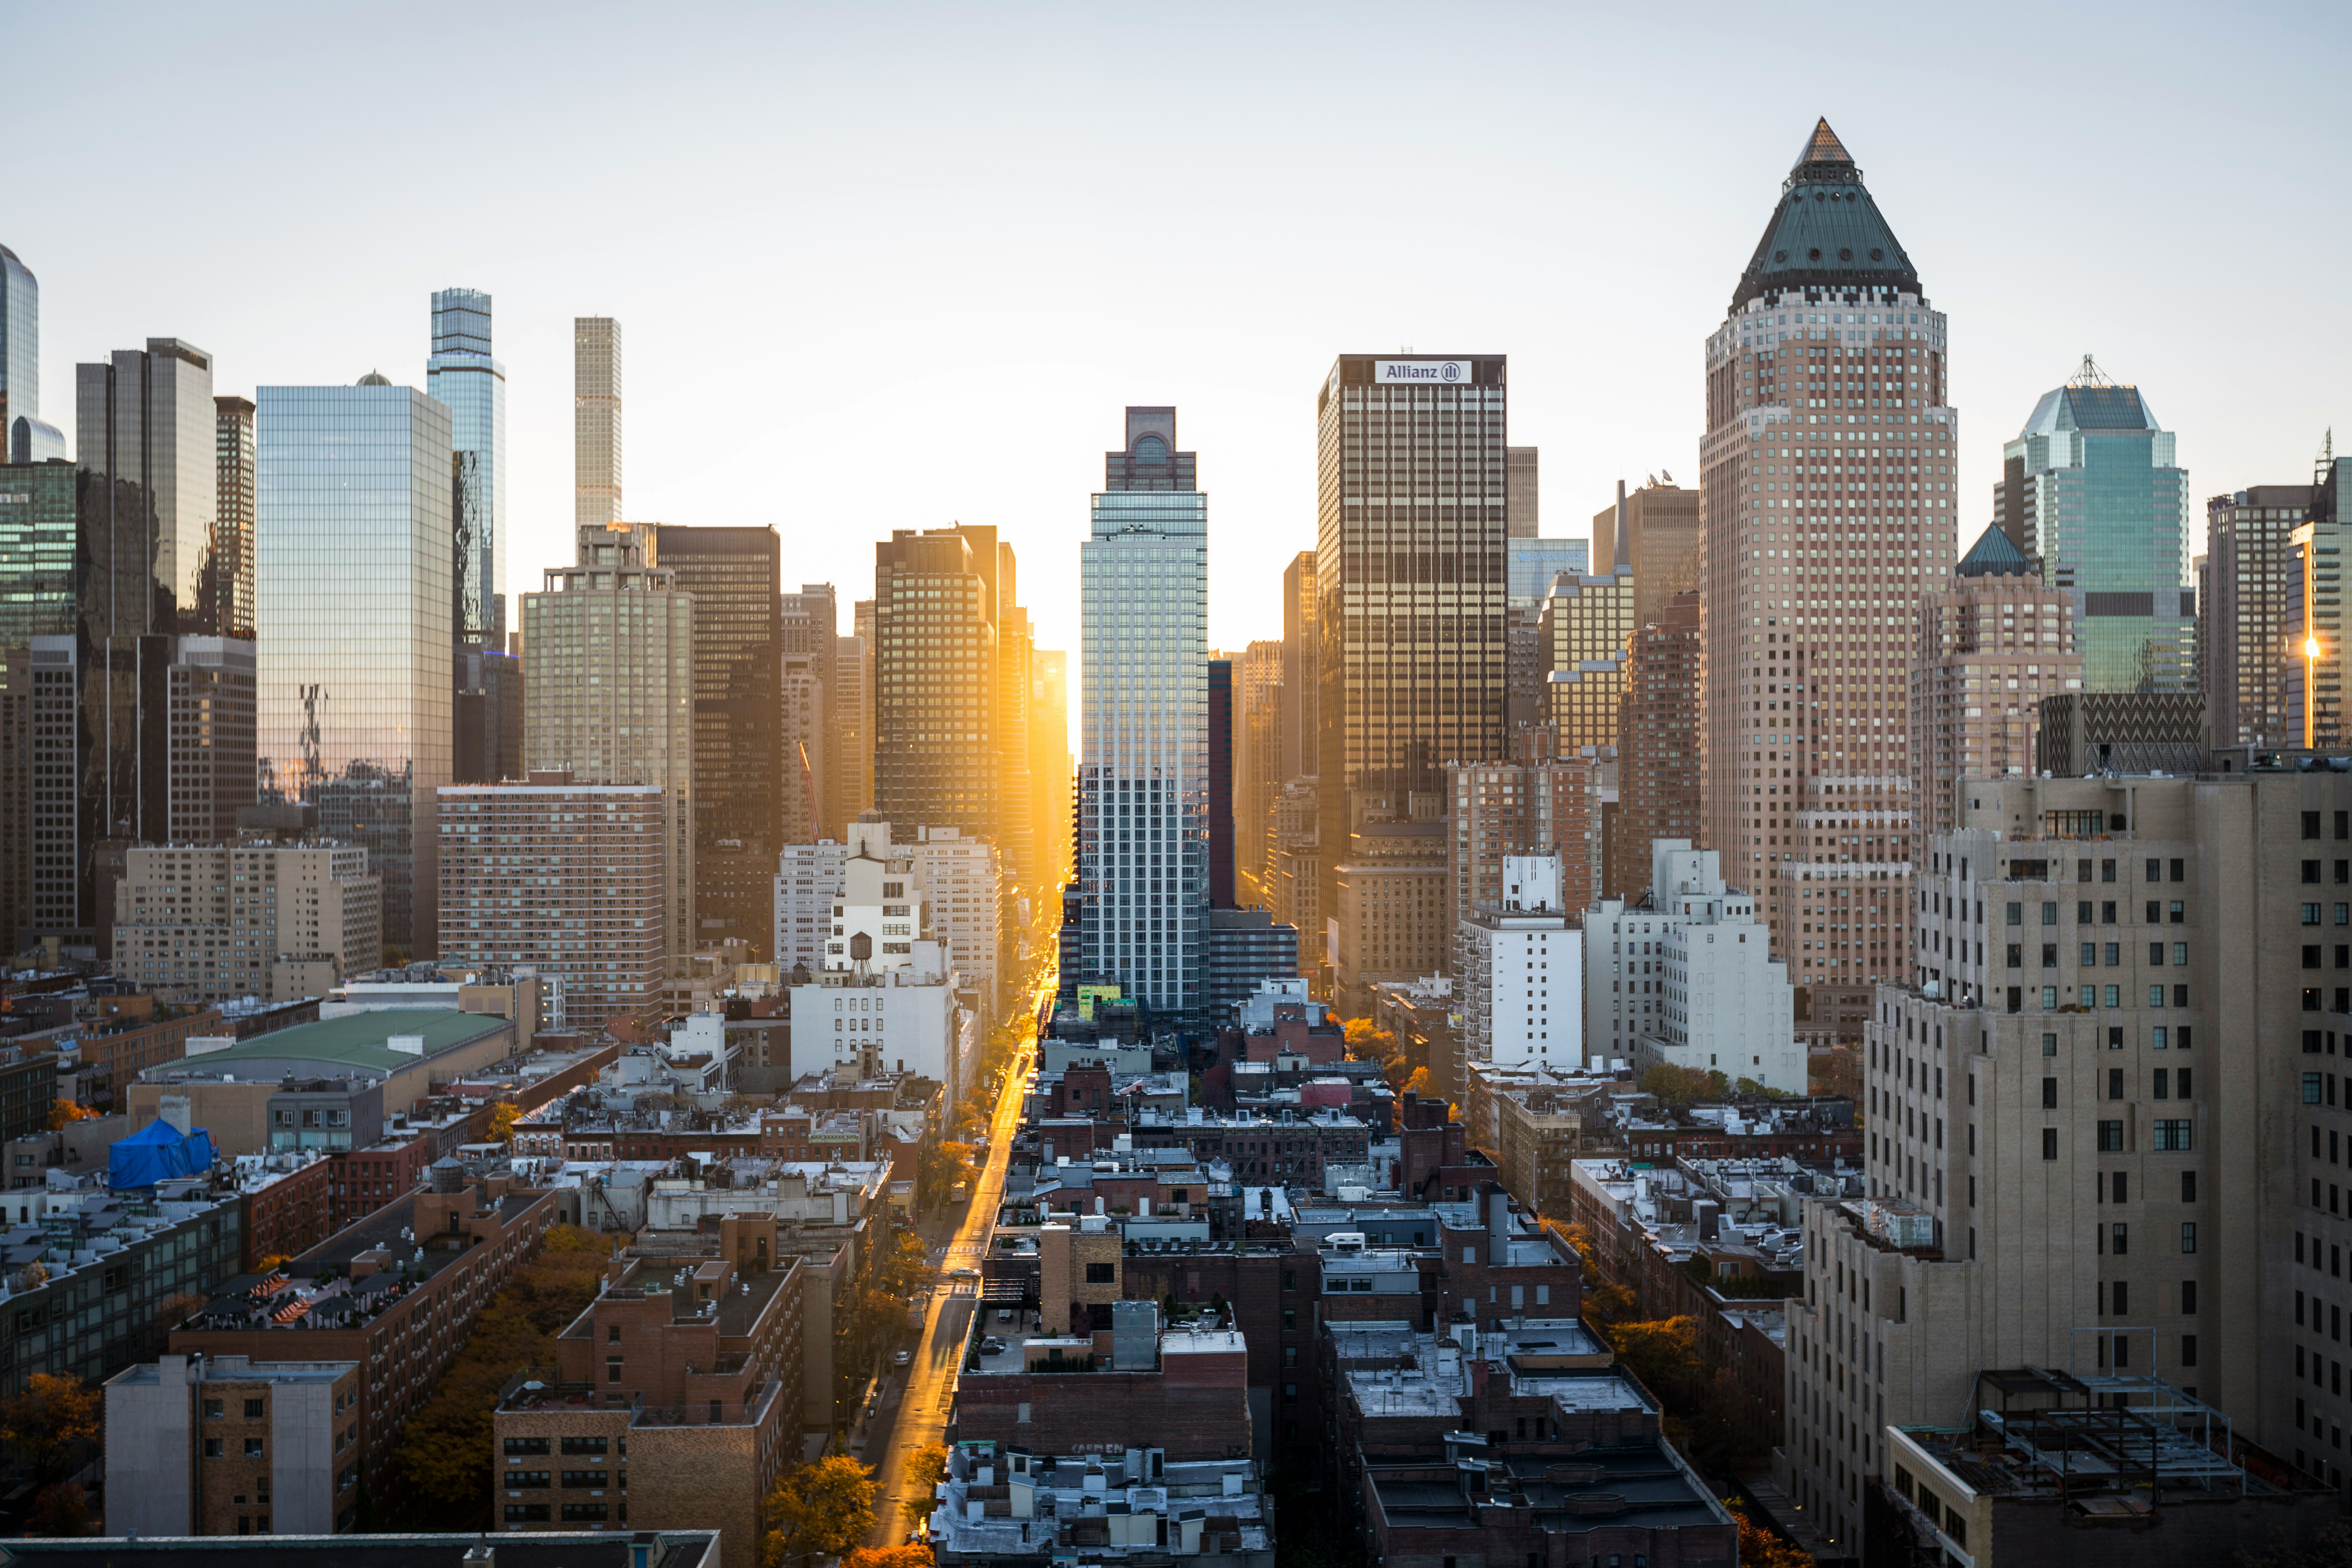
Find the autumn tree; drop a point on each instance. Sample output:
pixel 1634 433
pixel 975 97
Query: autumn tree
pixel 503 1116
pixel 1663 1353
pixel 1761 1548
pixel 64 1110
pixel 907 1556
pixel 1676 1086
pixel 60 1510
pixel 445 1450
pixel 942 1164
pixel 822 1509
pixel 902 1265
pixel 42 1428
pixel 927 1466
pixel 1419 1082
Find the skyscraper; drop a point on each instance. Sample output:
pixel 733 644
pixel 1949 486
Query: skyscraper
pixel 609 697
pixel 1529 567
pixel 1994 640
pixel 936 684
pixel 1301 685
pixel 809 621
pixel 595 420
pixel 353 593
pixel 1221 782
pixel 20 348
pixel 1016 646
pixel 2319 637
pixel 1050 775
pixel 1521 491
pixel 1661 528
pixel 1411 503
pixel 1143 763
pixel 1584 634
pixel 1660 745
pixel 2247 668
pixel 473 386
pixel 851 788
pixel 233 459
pixel 1257 765
pixel 1825 504
pixel 743 782
pixel 2089 489
pixel 145 432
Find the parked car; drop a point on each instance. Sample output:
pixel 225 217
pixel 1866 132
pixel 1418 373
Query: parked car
pixel 901 1360
pixel 991 1345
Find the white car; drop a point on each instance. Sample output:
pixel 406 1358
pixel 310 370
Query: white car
pixel 902 1359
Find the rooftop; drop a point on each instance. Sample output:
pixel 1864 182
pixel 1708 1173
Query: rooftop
pixel 1639 1486
pixel 356 1041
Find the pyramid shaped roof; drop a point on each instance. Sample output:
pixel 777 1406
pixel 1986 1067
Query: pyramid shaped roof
pixel 1826 231
pixel 1994 554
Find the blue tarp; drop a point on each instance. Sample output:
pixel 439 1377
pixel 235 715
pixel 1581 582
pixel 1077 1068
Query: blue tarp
pixel 158 1152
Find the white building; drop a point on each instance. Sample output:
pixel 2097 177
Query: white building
pixel 165 1425
pixel 963 883
pixel 1520 969
pixel 1688 977
pixel 808 882
pixel 864 1022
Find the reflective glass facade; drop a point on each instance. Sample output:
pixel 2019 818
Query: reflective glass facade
pixel 1144 764
pixel 233 468
pixel 143 423
pixel 20 343
pixel 38 518
pixel 2103 505
pixel 354 595
pixel 462 375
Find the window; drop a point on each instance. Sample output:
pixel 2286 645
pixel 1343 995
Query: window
pixel 590 1480
pixel 526 1513
pixel 1101 1273
pixel 212 1409
pixel 2188 1297
pixel 584 1512
pixel 2049 1045
pixel 2188 1186
pixel 576 1445
pixel 2172 1135
pixel 252 1449
pixel 2188 1350
pixel 2188 1236
pixel 2121 1234
pixel 2311 914
pixel 212 1447
pixel 2111 1137
pixel 2050 906
pixel 2049 1094
pixel 533 1445
pixel 2050 1142
pixel 253 1410
pixel 527 1480
pixel 2114 1083
pixel 612 1369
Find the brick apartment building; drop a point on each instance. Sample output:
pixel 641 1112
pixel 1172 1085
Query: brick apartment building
pixel 397 1293
pixel 676 1397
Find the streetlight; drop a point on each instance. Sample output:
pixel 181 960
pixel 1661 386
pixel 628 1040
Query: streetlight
pixel 2310 687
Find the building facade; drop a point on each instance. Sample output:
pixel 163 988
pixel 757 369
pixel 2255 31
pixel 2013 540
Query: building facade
pixel 1825 505
pixel 1686 978
pixel 464 377
pixel 1995 643
pixel 1143 764
pixel 1660 746
pixel 245 917
pixel 808 884
pixel 741 779
pixel 1521 973
pixel 1536 804
pixel 20 346
pixel 1583 638
pixel 234 454
pixel 1393 913
pixel 352 683
pixel 568 878
pixel 2248 667
pixel 1412 502
pixel 935 671
pixel 608 695
pixel 1660 525
pixel 1529 568
pixel 228 1446
pixel 595 421
pixel 2090 490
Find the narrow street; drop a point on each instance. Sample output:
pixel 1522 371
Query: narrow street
pixel 920 1411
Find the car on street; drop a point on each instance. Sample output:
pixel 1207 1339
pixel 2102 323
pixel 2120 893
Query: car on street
pixel 902 1359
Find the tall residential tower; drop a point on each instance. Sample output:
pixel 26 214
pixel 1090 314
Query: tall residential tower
pixel 473 386
pixel 1826 503
pixel 595 420
pixel 1143 788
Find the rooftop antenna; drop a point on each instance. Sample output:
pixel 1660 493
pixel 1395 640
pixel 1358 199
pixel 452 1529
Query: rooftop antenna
pixel 2090 374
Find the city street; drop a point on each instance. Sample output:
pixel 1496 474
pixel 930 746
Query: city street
pixel 921 1409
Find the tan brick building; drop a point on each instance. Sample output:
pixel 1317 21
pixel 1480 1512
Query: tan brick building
pixel 224 1446
pixel 676 1398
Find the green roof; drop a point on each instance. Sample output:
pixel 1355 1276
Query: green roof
pixel 357 1040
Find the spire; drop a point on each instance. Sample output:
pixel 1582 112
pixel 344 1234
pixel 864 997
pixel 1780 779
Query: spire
pixel 1822 147
pixel 2090 374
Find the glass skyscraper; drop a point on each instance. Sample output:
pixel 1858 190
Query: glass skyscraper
pixel 20 351
pixel 144 430
pixel 2090 488
pixel 462 375
pixel 1143 789
pixel 355 588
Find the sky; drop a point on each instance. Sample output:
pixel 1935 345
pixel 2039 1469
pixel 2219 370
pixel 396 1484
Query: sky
pixel 887 267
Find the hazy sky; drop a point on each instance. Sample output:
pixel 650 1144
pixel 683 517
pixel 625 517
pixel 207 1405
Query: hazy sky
pixel 894 267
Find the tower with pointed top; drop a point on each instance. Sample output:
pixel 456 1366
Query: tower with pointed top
pixel 1826 508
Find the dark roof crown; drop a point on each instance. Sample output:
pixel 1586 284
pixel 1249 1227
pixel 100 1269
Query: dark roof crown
pixel 1994 554
pixel 1826 232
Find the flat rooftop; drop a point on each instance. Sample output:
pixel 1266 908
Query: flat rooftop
pixel 352 1042
pixel 1648 1490
pixel 341 1303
